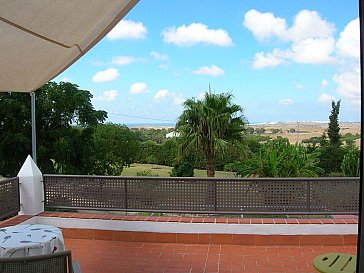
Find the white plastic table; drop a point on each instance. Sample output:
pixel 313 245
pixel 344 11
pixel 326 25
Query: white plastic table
pixel 30 240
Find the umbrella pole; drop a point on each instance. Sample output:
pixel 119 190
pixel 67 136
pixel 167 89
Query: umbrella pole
pixel 34 138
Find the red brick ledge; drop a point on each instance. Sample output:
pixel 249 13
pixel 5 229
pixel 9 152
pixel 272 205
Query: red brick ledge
pixel 198 238
pixel 219 220
pixel 16 220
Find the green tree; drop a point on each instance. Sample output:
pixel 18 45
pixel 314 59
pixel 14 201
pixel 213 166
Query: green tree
pixel 350 165
pixel 115 147
pixel 184 168
pixel 331 158
pixel 331 152
pixel 15 132
pixel 207 125
pixel 260 131
pixel 333 131
pixel 278 158
pixel 65 119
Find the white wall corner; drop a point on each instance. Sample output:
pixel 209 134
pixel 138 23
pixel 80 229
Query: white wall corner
pixel 31 188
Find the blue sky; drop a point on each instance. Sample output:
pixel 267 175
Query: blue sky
pixel 282 60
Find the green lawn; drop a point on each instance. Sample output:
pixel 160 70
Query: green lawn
pixel 165 171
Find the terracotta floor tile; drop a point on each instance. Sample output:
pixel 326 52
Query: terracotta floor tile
pixel 124 257
pixel 117 251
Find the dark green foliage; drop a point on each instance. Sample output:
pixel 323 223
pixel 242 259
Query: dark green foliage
pixel 333 131
pixel 278 158
pixel 250 130
pixel 275 131
pixel 65 123
pixel 207 125
pixel 313 143
pixel 233 152
pixel 15 132
pixel 185 168
pixel 163 154
pixel 254 143
pixel 168 152
pixel 330 159
pixel 65 119
pixel 156 135
pixel 349 139
pixel 147 149
pixel 350 165
pixel 115 147
pixel 260 131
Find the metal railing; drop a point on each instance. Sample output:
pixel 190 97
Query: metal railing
pixel 9 197
pixel 204 195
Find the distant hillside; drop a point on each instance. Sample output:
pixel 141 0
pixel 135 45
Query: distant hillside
pixel 298 131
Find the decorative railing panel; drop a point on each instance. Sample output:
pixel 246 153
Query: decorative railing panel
pixel 93 192
pixel 204 195
pixel 9 197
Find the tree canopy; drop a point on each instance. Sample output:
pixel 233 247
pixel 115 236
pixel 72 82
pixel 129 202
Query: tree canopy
pixel 65 119
pixel 333 131
pixel 207 125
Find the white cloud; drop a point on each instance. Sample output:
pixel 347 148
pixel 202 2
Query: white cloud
pixel 123 60
pixel 308 24
pixel 286 102
pixel 348 44
pixel 159 56
pixel 348 85
pixel 324 83
pixel 127 29
pixel 310 38
pixel 313 51
pixel 212 70
pixel 163 93
pixel 325 98
pixel 106 75
pixel 270 59
pixel 196 33
pixel 264 25
pixel 107 96
pixel 138 88
pixel 170 97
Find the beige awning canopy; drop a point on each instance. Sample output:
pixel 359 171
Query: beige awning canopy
pixel 39 39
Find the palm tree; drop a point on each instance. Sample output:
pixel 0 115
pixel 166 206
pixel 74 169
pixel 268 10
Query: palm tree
pixel 207 125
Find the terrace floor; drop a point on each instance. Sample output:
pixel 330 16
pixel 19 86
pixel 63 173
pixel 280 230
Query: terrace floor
pixel 122 251
pixel 99 256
